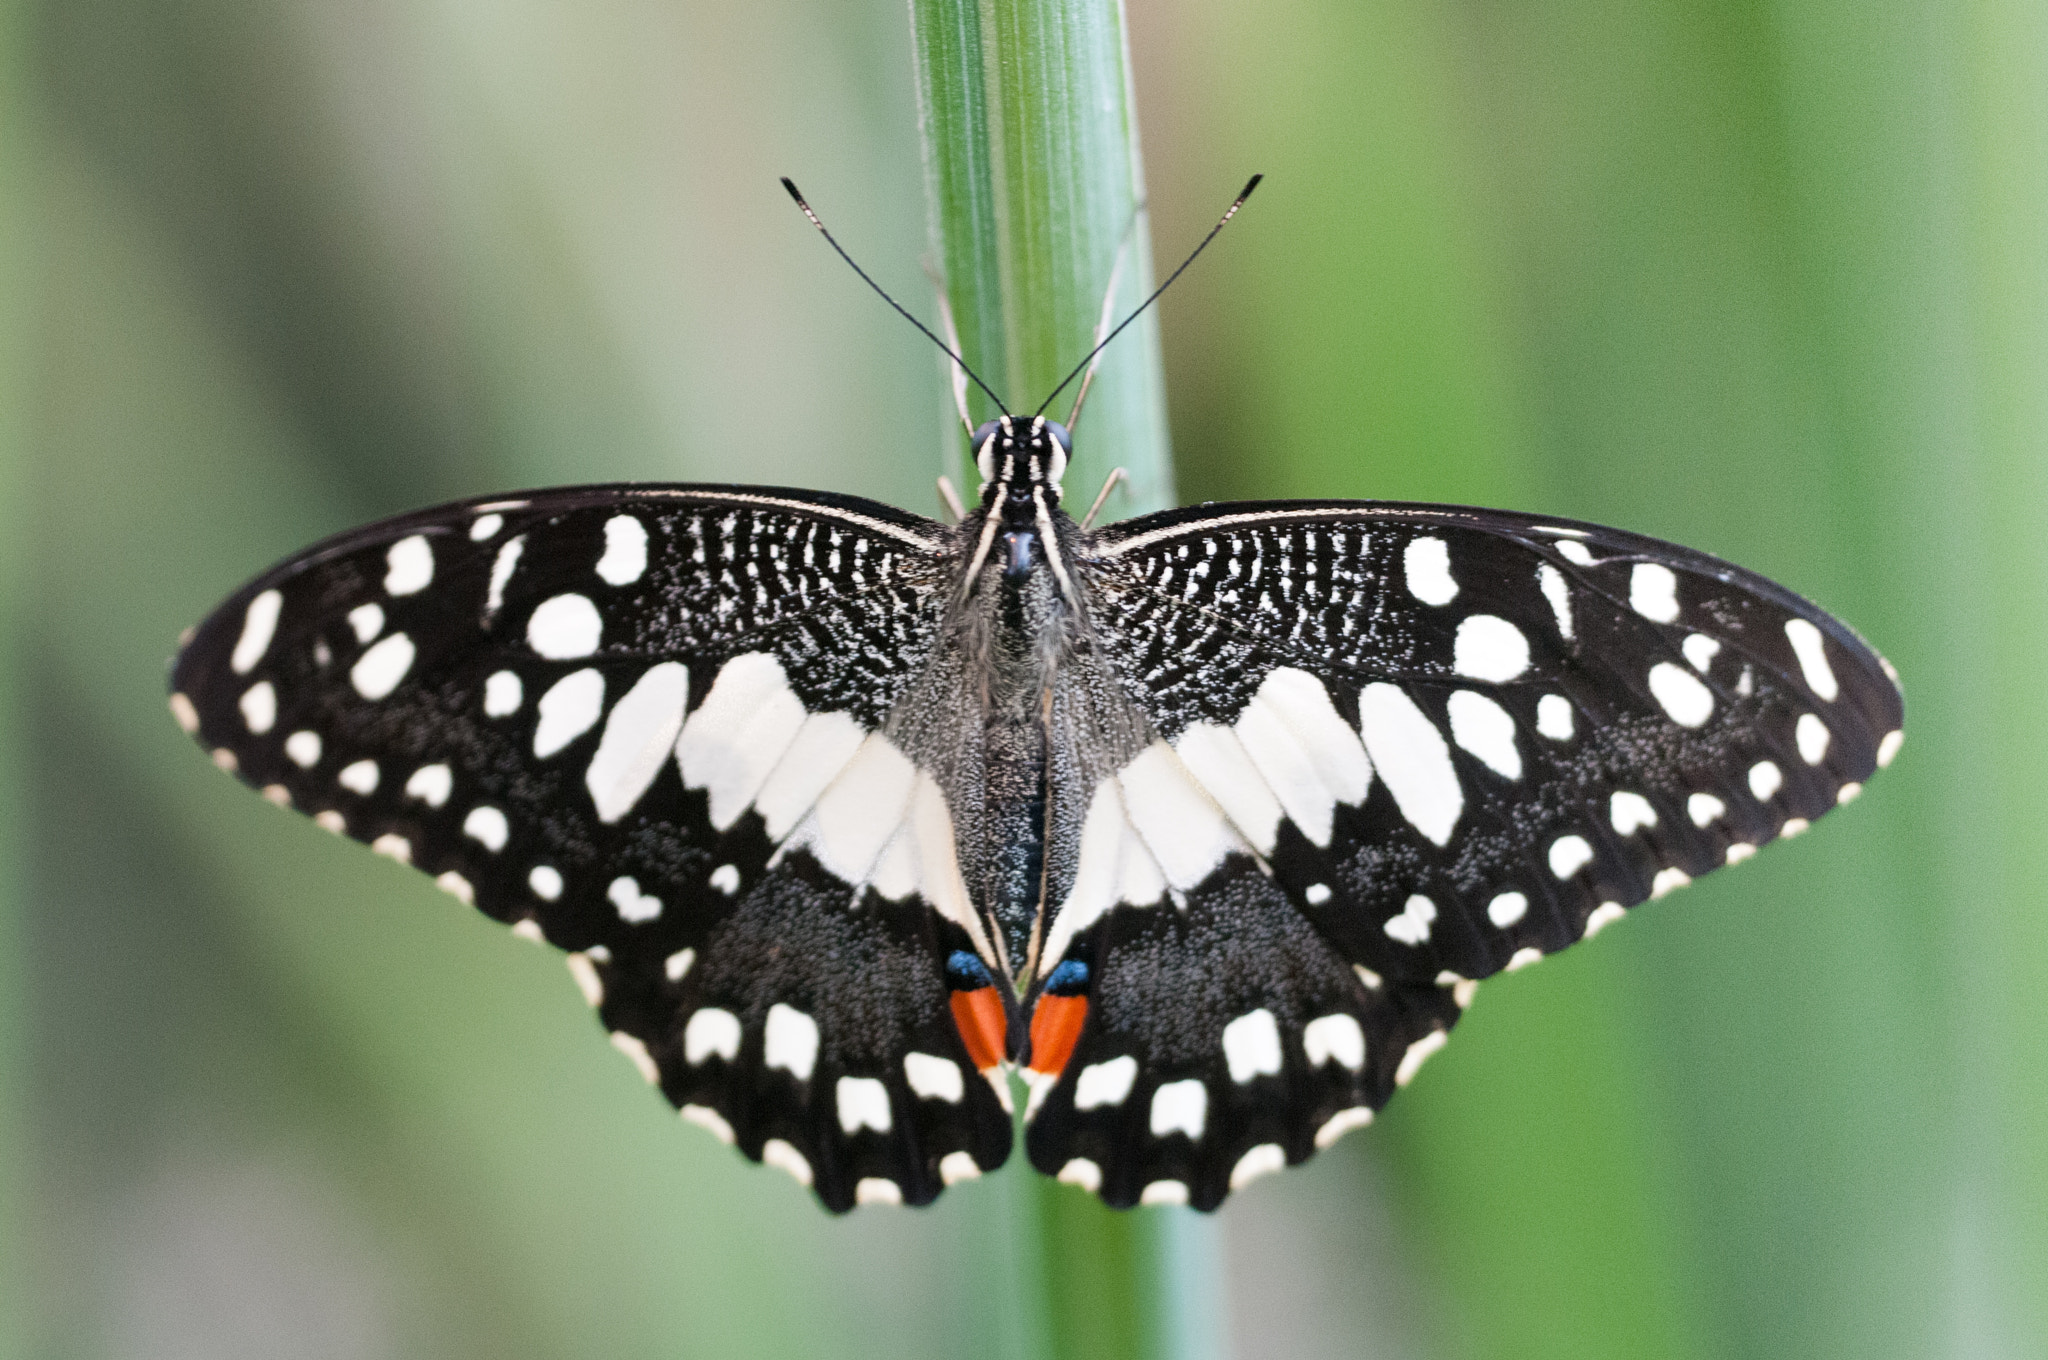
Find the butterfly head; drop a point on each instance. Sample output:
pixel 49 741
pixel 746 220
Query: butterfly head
pixel 1017 456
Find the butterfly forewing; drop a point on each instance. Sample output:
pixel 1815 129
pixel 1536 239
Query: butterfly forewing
pixel 1415 746
pixel 607 716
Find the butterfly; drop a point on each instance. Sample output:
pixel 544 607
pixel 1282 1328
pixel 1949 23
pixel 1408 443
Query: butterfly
pixel 1205 824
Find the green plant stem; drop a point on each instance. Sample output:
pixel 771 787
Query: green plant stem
pixel 1037 205
pixel 1034 186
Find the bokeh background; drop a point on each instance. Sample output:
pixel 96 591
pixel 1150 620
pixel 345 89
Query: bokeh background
pixel 1769 277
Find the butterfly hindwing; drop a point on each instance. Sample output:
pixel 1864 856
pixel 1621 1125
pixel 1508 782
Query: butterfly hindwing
pixel 1411 746
pixel 572 709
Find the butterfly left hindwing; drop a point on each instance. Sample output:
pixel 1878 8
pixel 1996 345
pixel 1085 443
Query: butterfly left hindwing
pixel 1399 749
pixel 608 716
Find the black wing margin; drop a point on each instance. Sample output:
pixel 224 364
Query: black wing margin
pixel 1447 742
pixel 505 694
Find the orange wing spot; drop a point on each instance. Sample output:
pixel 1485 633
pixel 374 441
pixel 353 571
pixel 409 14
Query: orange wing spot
pixel 1055 1028
pixel 983 1027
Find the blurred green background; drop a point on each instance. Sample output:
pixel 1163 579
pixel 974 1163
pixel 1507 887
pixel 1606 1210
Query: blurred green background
pixel 1767 278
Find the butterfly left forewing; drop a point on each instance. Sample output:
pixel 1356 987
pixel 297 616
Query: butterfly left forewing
pixel 1433 742
pixel 612 717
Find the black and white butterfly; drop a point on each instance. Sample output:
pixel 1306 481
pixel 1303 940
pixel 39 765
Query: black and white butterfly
pixel 1206 823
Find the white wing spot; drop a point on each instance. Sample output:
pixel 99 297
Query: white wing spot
pixel 1262 1160
pixel 303 748
pixel 366 621
pixel 1653 592
pixel 1812 736
pixel 958 1166
pixel 1813 658
pixel 1793 826
pixel 485 528
pixel 526 928
pixel 487 827
pixel 1105 1083
pixel 565 627
pixel 571 707
pixel 677 966
pixel 1418 1053
pixel 1575 552
pixel 502 694
pixel 225 760
pixel 783 1156
pixel 502 567
pixel 1251 1046
pixel 1334 1038
pixel 1488 647
pixel 1603 916
pixel 625 551
pixel 1848 793
pixel 642 1060
pixel 1164 1192
pixel 1689 702
pixel 638 737
pixel 1569 854
pixel 1180 1107
pixel 278 794
pixel 1554 717
pixel 712 1030
pixel 359 777
pixel 584 972
pixel 877 1190
pixel 704 1117
pixel 1082 1172
pixel 546 882
pixel 431 784
pixel 1740 851
pixel 1765 779
pixel 457 887
pixel 259 707
pixel 1427 565
pixel 1411 927
pixel 1700 650
pixel 1507 908
pixel 863 1104
pixel 378 671
pixel 1551 582
pixel 1413 759
pixel 1316 894
pixel 791 1041
pixel 186 715
pixel 1667 880
pixel 1483 728
pixel 1522 958
pixel 1888 749
pixel 726 879
pixel 1630 813
pixel 1341 1123
pixel 934 1078
pixel 259 625
pixel 409 566
pixel 393 846
pixel 330 820
pixel 634 906
pixel 1704 809
pixel 1367 978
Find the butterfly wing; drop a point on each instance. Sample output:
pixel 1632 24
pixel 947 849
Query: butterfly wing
pixel 642 724
pixel 1405 747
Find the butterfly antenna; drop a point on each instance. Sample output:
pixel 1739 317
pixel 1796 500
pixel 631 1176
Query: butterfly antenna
pixel 1221 223
pixel 796 194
